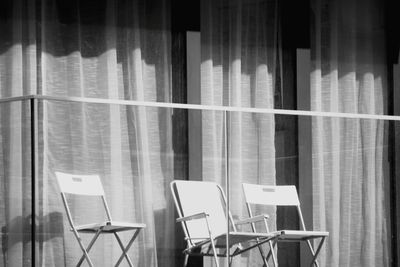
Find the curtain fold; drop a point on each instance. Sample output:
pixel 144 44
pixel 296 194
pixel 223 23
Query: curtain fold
pixel 238 61
pixel 122 52
pixel 17 78
pixel 350 164
pixel 103 49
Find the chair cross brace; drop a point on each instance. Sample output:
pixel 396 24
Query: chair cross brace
pixel 124 249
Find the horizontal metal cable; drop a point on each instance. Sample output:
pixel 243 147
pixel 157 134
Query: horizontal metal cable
pixel 90 100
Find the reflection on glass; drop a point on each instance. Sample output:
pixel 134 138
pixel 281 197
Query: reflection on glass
pixel 130 148
pixel 339 166
pixel 15 184
pixel 350 188
pixel 343 182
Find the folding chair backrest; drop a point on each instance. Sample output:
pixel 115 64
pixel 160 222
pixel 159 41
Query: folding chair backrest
pixel 77 184
pixel 194 197
pixel 89 185
pixel 272 195
pixel 282 195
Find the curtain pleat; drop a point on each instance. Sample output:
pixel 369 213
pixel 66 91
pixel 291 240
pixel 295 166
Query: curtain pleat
pixel 238 53
pixel 350 155
pixel 17 78
pixel 102 49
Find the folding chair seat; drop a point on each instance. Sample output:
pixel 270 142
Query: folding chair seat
pixel 90 185
pixel 283 196
pixel 201 208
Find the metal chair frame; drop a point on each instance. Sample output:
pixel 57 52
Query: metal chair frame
pixel 259 194
pixel 106 227
pixel 214 245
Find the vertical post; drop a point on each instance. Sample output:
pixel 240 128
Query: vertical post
pixel 33 178
pixel 394 133
pixel 227 183
pixel 194 132
pixel 303 58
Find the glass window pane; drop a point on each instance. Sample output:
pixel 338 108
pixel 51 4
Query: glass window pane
pixel 15 184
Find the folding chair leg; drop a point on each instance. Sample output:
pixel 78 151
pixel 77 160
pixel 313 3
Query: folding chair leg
pixel 274 257
pixel 185 261
pixel 263 256
pixel 215 252
pixel 86 251
pixel 271 253
pixel 125 250
pixel 315 254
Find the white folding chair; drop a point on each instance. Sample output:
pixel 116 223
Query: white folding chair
pixel 283 196
pixel 201 210
pixel 90 185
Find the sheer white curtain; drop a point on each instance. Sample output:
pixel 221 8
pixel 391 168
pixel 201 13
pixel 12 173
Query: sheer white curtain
pixel 350 155
pixel 238 61
pixel 17 77
pixel 104 49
